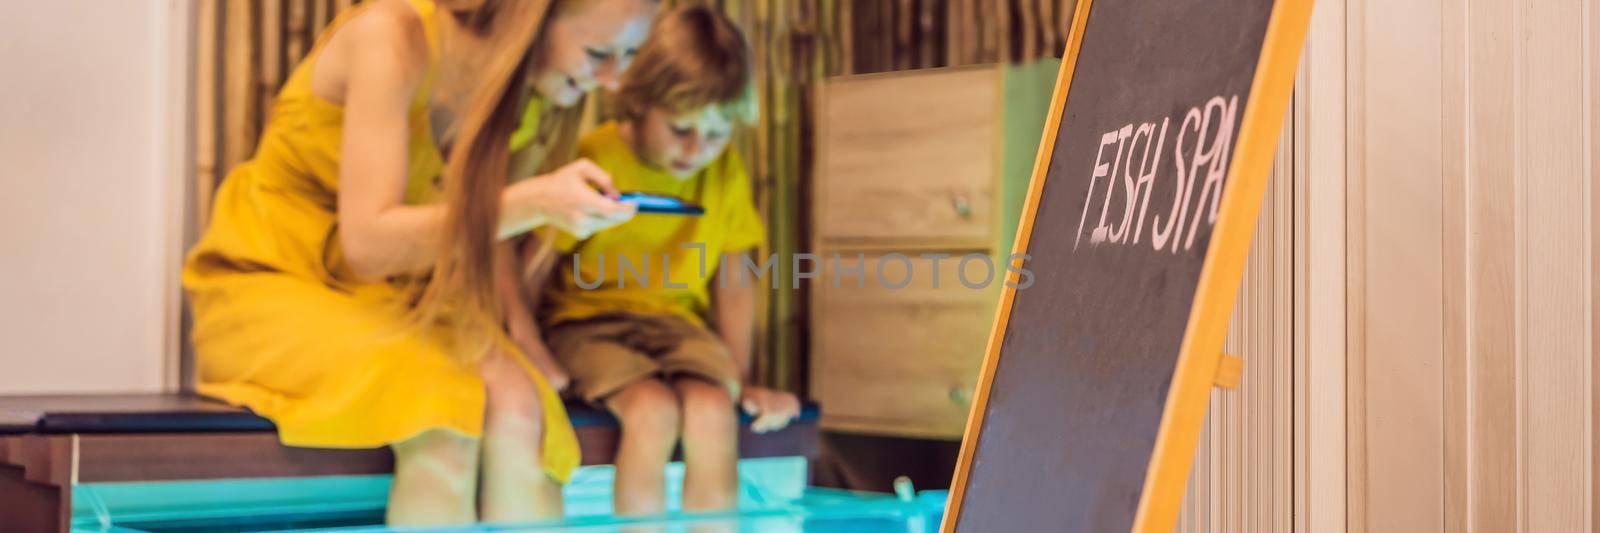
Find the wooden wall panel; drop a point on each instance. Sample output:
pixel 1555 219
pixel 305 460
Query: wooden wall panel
pixel 1591 46
pixel 1403 322
pixel 1554 344
pixel 1243 473
pixel 1322 377
pixel 1491 234
pixel 1453 250
pixel 1471 241
pixel 1355 261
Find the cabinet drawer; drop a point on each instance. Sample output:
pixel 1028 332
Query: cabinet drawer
pixel 909 156
pixel 899 361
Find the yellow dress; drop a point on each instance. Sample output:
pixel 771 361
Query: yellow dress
pixel 282 327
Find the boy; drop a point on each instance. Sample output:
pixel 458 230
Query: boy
pixel 639 342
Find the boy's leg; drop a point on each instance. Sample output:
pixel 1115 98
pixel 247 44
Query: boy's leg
pixel 515 487
pixel 710 445
pixel 649 413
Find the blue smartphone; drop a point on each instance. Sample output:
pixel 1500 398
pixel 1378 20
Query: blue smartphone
pixel 666 205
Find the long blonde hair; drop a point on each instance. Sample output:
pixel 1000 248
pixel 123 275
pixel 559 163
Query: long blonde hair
pixel 460 291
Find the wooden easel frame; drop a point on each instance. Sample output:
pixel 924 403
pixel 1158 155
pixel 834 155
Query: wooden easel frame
pixel 1201 363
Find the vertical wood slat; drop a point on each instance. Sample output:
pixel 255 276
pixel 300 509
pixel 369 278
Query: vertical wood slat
pixel 1591 45
pixel 1491 314
pixel 1456 339
pixel 1330 237
pixel 1555 340
pixel 1357 474
pixel 1404 292
pixel 1517 243
pixel 1274 433
pixel 1242 476
pixel 1300 448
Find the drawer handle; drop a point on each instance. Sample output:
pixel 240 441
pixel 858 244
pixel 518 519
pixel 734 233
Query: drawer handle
pixel 962 206
pixel 960 395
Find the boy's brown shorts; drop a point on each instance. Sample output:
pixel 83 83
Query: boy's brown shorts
pixel 606 353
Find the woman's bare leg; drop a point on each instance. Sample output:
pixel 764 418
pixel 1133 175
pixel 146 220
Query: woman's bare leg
pixel 710 446
pixel 515 486
pixel 435 480
pixel 648 411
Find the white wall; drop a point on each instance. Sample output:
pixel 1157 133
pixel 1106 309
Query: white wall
pixel 91 95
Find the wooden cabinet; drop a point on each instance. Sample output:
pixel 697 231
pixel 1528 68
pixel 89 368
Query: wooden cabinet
pixel 906 182
pixel 908 157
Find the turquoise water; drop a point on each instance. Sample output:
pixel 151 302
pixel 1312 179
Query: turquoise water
pixel 774 496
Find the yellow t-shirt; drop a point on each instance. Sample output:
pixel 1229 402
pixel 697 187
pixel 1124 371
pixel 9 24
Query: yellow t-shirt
pixel 653 264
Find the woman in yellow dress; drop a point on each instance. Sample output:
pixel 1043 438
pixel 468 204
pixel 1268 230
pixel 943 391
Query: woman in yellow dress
pixel 346 287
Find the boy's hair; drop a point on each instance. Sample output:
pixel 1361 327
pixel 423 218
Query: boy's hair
pixel 694 57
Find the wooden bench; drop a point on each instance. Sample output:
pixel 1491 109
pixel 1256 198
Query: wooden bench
pixel 50 443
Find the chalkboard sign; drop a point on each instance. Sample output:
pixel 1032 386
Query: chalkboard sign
pixel 1136 229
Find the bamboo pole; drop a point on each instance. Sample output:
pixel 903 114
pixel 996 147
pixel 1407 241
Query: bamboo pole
pixel 847 32
pixel 1047 27
pixel 1065 22
pixel 904 51
pixel 271 47
pixel 239 107
pixel 974 27
pixel 925 35
pixel 886 27
pixel 320 15
pixel 205 114
pixel 296 33
pixel 1030 30
pixel 952 34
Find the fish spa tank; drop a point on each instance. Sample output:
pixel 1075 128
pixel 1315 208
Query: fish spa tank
pixel 170 463
pixel 773 496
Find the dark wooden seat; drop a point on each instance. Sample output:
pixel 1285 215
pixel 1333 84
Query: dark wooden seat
pixel 181 413
pixel 49 443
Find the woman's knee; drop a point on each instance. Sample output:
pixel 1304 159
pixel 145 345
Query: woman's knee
pixel 441 457
pixel 509 393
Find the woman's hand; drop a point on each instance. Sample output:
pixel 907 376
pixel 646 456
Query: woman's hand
pixel 577 198
pixel 773 408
